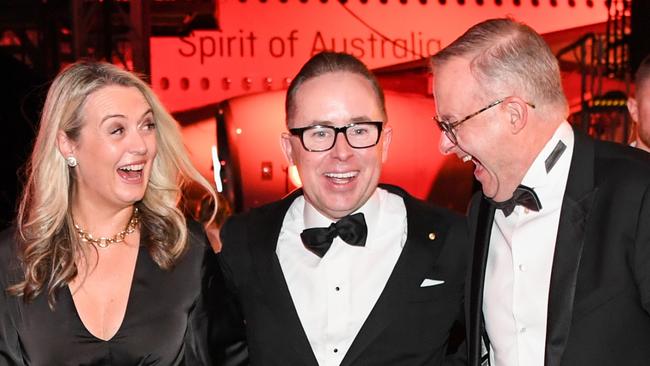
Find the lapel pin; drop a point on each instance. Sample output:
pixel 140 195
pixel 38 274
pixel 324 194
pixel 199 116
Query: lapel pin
pixel 432 236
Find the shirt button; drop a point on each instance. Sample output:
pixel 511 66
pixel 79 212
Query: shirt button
pixel 336 350
pixel 526 211
pixel 337 288
pixel 522 268
pixel 522 330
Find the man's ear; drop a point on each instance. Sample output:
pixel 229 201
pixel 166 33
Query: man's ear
pixel 65 145
pixel 633 108
pixel 385 144
pixel 287 149
pixel 517 113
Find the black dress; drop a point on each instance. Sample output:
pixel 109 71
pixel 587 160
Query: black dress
pixel 163 323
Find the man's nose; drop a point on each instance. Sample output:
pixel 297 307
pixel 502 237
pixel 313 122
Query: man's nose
pixel 342 148
pixel 445 144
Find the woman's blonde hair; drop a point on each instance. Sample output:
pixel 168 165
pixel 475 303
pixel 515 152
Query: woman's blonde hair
pixel 48 243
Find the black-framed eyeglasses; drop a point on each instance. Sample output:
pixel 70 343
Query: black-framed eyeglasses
pixel 449 127
pixel 359 135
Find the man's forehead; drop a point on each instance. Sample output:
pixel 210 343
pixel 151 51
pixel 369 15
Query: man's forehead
pixel 449 77
pixel 453 94
pixel 331 101
pixel 454 69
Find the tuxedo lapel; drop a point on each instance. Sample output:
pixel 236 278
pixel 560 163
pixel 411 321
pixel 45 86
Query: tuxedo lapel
pixel 576 205
pixel 271 278
pixel 417 257
pixel 474 305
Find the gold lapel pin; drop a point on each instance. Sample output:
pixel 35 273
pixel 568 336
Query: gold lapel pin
pixel 432 236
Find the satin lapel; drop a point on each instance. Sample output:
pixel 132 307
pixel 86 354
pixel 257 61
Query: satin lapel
pixel 578 199
pixel 418 255
pixel 485 218
pixel 272 281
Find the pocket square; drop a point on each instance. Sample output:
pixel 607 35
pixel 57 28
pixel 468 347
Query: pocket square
pixel 430 282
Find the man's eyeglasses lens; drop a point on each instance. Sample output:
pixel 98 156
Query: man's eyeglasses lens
pixel 322 138
pixel 448 127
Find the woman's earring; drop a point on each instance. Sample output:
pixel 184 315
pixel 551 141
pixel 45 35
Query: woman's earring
pixel 71 161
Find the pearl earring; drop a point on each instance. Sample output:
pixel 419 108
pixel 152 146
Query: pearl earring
pixel 71 161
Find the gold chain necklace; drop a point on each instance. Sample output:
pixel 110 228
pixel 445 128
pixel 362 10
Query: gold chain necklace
pixel 103 242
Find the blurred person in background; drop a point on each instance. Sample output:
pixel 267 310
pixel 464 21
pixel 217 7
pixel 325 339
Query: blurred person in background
pixel 639 106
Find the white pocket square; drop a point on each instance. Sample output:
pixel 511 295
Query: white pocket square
pixel 429 282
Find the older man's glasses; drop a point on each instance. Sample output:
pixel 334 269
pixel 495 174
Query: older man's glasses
pixel 318 138
pixel 449 127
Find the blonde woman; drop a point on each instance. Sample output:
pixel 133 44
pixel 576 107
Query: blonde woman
pixel 102 267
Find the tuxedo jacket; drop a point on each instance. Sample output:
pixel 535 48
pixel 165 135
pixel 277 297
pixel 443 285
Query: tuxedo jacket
pixel 408 325
pixel 599 298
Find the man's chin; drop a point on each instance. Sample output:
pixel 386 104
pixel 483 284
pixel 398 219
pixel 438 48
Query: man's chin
pixel 341 207
pixel 491 194
pixel 488 191
pixel 338 212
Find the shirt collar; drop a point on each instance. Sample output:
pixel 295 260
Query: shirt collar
pixel 313 218
pixel 537 174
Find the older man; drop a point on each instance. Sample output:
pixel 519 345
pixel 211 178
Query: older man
pixel 639 106
pixel 561 261
pixel 343 272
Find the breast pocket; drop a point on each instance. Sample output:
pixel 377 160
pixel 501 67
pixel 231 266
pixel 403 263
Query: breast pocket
pixel 443 291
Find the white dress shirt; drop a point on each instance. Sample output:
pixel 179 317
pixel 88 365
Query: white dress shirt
pixel 334 295
pixel 520 260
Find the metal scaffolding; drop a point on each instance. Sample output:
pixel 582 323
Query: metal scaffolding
pixel 49 34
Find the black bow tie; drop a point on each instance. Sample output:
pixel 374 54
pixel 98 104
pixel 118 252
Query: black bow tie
pixel 352 229
pixel 523 196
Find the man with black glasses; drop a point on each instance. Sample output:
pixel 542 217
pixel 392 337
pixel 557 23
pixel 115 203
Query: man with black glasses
pixel 341 272
pixel 560 271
